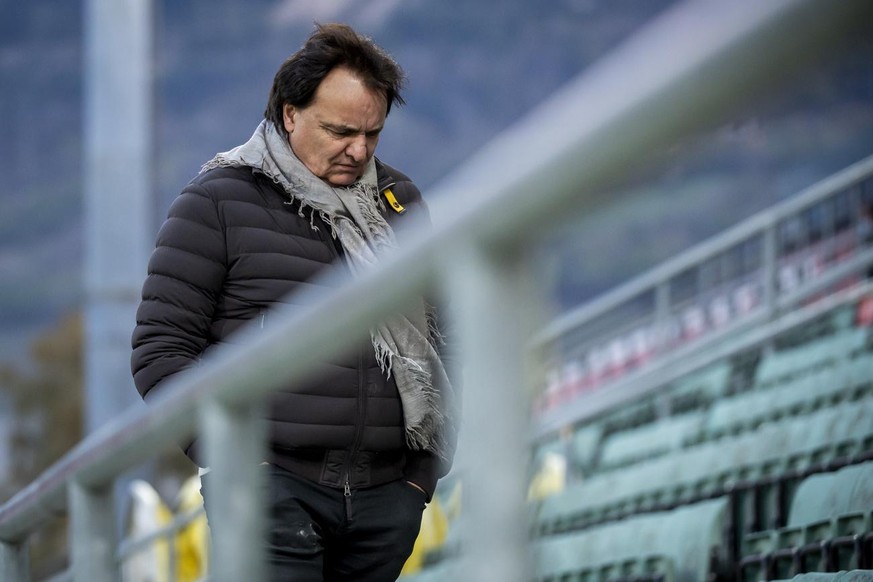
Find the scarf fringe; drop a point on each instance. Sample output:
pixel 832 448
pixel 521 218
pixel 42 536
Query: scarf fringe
pixel 434 335
pixel 427 433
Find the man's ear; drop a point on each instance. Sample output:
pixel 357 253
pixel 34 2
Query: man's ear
pixel 289 113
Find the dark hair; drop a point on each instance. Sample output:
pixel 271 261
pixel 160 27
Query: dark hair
pixel 330 46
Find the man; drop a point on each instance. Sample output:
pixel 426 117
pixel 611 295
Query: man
pixel 354 454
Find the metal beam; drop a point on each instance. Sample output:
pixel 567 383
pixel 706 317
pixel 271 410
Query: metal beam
pixel 92 534
pixel 234 438
pixel 14 562
pixel 118 195
pixel 761 223
pixel 494 310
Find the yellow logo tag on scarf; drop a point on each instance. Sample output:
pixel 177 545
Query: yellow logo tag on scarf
pixel 392 201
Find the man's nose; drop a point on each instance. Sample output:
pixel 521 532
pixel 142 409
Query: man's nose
pixel 357 149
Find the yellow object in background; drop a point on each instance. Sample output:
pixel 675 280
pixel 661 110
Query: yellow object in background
pixel 435 523
pixel 192 541
pixel 550 479
pixel 148 514
pixel 434 527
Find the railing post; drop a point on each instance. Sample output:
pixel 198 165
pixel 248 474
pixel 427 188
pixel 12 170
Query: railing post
pixel 14 562
pixel 234 440
pixel 662 314
pixel 492 313
pixel 93 533
pixel 769 271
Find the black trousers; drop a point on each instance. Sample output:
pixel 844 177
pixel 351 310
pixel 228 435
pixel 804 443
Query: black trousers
pixel 317 534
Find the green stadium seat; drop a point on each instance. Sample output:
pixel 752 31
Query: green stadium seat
pixel 828 495
pixel 859 374
pixel 699 389
pixel 643 569
pixel 830 527
pixel 648 441
pixel 687 553
pixel 585 447
pixel 784 365
pixel 630 415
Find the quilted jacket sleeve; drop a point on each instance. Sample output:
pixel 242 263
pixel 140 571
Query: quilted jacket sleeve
pixel 185 275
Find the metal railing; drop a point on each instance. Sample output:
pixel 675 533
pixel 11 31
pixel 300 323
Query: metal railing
pixel 782 276
pixel 554 163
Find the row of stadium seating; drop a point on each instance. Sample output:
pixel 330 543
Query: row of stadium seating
pixel 757 468
pixel 759 460
pixel 724 405
pixel 829 530
pixel 744 412
pixel 674 545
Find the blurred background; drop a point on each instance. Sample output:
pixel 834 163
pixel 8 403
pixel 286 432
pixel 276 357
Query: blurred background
pixel 474 69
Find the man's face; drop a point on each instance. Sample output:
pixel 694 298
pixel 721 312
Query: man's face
pixel 336 134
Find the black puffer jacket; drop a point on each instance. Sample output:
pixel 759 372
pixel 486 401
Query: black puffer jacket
pixel 231 248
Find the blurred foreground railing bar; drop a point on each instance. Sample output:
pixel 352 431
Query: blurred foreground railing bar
pixel 493 299
pixel 555 162
pixel 92 534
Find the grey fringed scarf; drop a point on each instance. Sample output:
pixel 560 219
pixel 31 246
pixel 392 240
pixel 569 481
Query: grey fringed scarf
pixel 404 343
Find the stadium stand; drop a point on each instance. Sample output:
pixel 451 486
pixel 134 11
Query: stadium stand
pixel 755 465
pixel 771 470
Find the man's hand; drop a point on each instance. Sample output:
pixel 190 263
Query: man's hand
pixel 418 487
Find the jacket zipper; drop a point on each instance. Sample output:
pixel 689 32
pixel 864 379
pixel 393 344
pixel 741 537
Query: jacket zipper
pixel 362 404
pixel 347 493
pixel 359 433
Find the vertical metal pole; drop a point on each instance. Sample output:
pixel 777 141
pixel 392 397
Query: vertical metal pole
pixel 234 440
pixel 119 227
pixel 769 271
pixel 493 313
pixel 14 562
pixel 662 314
pixel 118 190
pixel 92 534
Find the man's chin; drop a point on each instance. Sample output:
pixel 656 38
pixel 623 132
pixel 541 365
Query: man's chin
pixel 342 179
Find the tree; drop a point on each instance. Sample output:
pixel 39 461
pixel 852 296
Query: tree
pixel 47 405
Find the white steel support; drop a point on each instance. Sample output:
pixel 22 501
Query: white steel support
pixel 234 440
pixel 769 268
pixel 92 533
pixel 662 312
pixel 14 562
pixel 119 224
pixel 493 312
